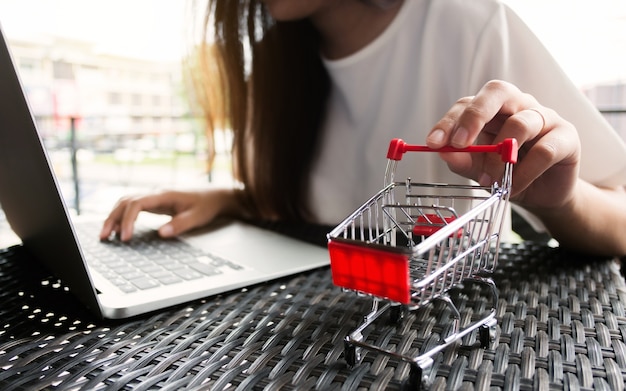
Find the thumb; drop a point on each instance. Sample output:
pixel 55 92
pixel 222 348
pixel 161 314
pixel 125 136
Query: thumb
pixel 179 224
pixel 167 230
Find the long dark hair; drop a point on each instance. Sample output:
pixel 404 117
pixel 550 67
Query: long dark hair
pixel 273 101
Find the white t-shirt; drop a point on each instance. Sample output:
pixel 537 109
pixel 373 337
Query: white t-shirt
pixel 400 85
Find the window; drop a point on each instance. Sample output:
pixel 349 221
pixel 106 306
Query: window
pixel 62 70
pixel 115 98
pixel 136 99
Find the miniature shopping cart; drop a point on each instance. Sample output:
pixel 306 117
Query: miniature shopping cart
pixel 411 243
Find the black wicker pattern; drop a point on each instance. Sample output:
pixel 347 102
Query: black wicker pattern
pixel 561 325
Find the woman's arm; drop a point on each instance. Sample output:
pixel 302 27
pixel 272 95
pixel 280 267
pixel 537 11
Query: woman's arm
pixel 594 221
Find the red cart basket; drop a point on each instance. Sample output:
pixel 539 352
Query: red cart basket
pixel 411 243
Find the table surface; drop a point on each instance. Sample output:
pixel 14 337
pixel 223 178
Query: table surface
pixel 561 324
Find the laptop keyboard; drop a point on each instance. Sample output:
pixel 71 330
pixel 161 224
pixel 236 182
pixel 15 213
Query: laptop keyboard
pixel 148 261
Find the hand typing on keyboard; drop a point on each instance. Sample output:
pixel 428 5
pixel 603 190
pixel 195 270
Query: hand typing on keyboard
pixel 147 261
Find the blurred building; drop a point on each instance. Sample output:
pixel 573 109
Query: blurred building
pixel 114 100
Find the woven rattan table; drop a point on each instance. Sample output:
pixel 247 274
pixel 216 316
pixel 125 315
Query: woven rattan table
pixel 561 325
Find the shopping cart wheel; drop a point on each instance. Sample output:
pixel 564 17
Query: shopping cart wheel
pixel 414 381
pixel 486 334
pixel 351 354
pixel 397 313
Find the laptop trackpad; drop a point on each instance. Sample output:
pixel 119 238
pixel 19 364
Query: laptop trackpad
pixel 257 248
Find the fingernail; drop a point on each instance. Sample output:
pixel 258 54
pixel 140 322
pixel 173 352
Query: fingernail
pixel 485 180
pixel 166 231
pixel 459 139
pixel 436 137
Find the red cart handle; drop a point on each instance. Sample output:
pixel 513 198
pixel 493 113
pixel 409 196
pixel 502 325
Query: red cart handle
pixel 507 149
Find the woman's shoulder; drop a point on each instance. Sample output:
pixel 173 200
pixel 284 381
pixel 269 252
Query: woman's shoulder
pixel 468 8
pixel 477 12
pixel 465 22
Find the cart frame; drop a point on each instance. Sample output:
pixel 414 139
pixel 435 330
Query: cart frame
pixel 408 246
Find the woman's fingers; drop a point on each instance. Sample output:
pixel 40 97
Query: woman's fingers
pixel 549 154
pixel 189 209
pixel 439 136
pixel 527 126
pixel 470 116
pixel 122 218
pixel 548 168
pixel 498 111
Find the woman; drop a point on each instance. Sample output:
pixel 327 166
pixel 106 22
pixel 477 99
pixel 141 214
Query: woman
pixel 332 81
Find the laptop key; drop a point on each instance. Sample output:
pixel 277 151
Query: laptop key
pixel 133 275
pixel 188 274
pixel 153 269
pixel 169 280
pixel 234 266
pixel 145 283
pixel 127 288
pixel 205 269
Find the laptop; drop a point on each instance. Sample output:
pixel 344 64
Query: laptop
pixel 226 255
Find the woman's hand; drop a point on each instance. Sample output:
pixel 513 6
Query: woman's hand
pixel 580 215
pixel 189 209
pixel 546 174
